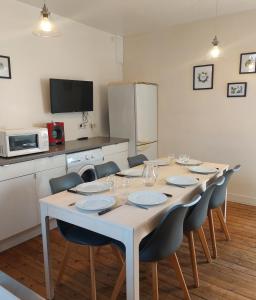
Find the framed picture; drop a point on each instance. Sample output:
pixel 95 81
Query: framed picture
pixel 247 63
pixel 203 77
pixel 5 67
pixel 237 89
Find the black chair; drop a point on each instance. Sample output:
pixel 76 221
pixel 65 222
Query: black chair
pixel 216 202
pixel 194 223
pixel 162 243
pixel 106 169
pixel 137 160
pixel 75 234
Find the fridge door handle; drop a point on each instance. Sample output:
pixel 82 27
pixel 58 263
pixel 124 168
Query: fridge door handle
pixel 143 147
pixel 145 142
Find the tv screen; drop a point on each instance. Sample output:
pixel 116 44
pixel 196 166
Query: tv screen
pixel 71 95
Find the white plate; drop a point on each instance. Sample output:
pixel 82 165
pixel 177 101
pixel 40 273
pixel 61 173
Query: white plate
pixel 147 198
pixel 190 162
pixel 96 202
pixel 93 187
pixel 161 162
pixel 181 180
pixel 132 172
pixel 203 170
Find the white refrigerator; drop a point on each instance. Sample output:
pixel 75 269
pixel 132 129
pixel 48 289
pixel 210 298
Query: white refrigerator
pixel 133 115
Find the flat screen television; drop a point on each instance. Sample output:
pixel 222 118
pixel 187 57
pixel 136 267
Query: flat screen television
pixel 71 95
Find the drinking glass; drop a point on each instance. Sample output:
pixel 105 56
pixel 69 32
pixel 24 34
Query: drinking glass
pixel 126 182
pixel 171 158
pixel 184 158
pixel 111 181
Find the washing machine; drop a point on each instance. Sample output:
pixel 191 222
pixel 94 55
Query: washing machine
pixel 83 163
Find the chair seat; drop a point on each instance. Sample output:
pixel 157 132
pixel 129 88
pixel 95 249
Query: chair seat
pixel 81 235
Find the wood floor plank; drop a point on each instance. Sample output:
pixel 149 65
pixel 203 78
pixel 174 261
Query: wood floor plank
pixel 232 276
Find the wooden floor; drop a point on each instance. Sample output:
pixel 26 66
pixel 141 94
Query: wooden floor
pixel 231 276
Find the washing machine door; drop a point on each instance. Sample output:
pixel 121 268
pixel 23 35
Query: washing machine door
pixel 87 173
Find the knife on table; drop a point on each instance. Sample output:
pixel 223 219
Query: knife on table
pixel 103 212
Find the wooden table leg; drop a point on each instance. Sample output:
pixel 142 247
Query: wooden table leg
pixel 132 267
pixel 47 256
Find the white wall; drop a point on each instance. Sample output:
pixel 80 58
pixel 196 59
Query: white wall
pixel 81 53
pixel 206 124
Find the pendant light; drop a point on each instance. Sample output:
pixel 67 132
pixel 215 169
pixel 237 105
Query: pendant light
pixel 215 51
pixel 45 26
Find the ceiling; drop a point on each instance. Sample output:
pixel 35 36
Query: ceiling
pixel 128 17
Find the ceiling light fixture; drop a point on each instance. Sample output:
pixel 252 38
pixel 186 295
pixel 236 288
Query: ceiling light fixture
pixel 45 26
pixel 215 51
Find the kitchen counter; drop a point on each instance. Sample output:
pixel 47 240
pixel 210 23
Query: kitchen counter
pixel 68 147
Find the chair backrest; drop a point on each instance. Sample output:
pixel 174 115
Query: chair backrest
pixel 198 213
pixel 106 169
pixel 168 235
pixel 219 194
pixel 61 184
pixel 137 160
pixel 65 182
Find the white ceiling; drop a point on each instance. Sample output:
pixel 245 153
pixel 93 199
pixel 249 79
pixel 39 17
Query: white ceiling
pixel 128 17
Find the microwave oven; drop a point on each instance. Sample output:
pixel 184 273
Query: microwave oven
pixel 16 142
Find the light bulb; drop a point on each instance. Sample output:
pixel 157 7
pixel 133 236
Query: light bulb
pixel 215 52
pixel 45 24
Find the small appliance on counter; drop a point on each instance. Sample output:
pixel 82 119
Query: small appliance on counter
pixel 16 142
pixel 56 133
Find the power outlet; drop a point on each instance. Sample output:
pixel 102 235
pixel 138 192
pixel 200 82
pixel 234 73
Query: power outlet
pixel 92 125
pixel 82 126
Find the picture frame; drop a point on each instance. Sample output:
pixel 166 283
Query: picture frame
pixel 203 77
pixel 5 67
pixel 236 89
pixel 247 63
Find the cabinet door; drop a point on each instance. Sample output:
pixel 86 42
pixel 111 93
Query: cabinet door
pixel 119 158
pixel 149 150
pixel 117 153
pixel 42 181
pixel 18 205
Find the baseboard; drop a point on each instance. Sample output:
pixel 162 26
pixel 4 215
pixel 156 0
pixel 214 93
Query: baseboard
pixel 243 199
pixel 24 236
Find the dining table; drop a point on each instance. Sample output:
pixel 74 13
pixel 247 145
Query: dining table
pixel 128 224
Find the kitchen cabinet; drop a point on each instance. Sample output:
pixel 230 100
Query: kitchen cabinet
pixel 18 205
pixel 42 180
pixel 21 187
pixel 23 184
pixel 117 153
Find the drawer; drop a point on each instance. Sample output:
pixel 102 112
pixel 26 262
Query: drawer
pixel 48 163
pixel 122 147
pixel 17 170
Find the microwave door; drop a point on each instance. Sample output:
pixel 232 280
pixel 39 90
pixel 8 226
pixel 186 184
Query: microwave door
pixel 23 142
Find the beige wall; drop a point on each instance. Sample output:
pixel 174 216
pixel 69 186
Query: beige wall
pixel 206 124
pixel 80 53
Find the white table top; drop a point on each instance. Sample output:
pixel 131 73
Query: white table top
pixel 130 217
